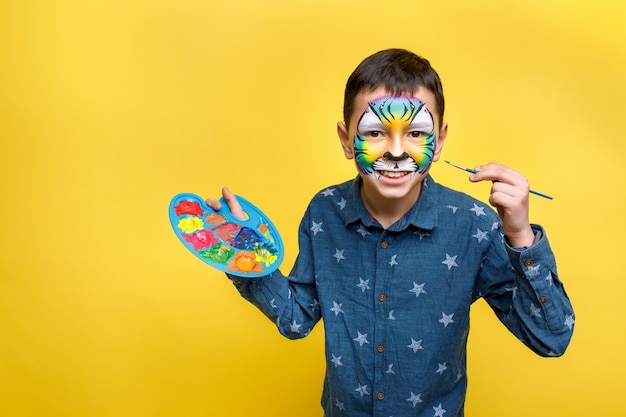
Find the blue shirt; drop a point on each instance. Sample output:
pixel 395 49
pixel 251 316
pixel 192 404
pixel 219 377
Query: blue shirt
pixel 395 303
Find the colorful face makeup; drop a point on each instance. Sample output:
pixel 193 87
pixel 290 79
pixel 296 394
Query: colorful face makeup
pixel 390 119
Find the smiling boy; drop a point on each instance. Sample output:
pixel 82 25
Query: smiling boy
pixel 392 261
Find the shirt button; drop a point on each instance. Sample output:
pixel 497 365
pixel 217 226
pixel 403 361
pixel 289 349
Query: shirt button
pixel 384 245
pixel 528 263
pixel 382 297
pixel 380 396
pixel 542 299
pixel 380 348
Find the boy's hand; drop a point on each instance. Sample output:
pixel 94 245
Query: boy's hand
pixel 509 195
pixel 231 200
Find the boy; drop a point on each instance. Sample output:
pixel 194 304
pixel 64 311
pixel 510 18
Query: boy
pixel 392 260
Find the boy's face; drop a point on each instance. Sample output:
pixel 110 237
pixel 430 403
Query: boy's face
pixel 394 141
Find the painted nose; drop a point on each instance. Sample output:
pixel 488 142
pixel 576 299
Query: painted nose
pixel 391 157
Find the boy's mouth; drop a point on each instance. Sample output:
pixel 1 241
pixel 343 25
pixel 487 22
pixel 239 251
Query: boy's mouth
pixel 393 174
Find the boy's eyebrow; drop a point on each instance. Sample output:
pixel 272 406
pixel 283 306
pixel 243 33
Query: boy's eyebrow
pixel 371 125
pixel 422 125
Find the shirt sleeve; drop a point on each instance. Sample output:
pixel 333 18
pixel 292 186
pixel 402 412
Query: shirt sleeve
pixel 289 301
pixel 524 290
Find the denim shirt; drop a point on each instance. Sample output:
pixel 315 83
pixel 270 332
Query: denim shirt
pixel 395 302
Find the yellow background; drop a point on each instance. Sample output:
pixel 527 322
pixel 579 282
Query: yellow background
pixel 110 107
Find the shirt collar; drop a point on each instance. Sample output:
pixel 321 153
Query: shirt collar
pixel 423 214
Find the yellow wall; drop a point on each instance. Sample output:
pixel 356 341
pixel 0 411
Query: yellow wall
pixel 109 108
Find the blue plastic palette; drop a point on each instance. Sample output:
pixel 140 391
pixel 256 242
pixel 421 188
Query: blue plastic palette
pixel 248 248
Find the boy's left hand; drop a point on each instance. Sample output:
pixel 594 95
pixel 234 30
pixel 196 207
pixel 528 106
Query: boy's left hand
pixel 509 195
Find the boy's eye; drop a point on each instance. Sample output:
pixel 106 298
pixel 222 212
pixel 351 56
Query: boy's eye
pixel 374 134
pixel 416 134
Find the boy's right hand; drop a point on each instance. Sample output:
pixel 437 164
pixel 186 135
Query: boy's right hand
pixel 231 200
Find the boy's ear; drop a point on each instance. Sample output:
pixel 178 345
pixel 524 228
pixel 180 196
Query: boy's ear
pixel 441 138
pixel 346 143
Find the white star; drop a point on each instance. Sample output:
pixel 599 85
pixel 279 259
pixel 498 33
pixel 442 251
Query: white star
pixel 342 203
pixel 363 231
pixel 361 338
pixel 442 368
pixel 439 411
pixel 315 305
pixel 393 260
pixel 329 191
pixel 495 226
pixel 478 210
pixel 317 227
pixel 390 369
pixel 340 406
pixel 273 303
pixel 450 261
pixel 532 271
pixel 535 311
pixel 422 234
pixel 362 389
pixel 480 235
pixel 391 316
pixel 454 208
pixel 414 399
pixel 446 319
pixel 363 284
pixel 549 278
pixel 569 321
pixel 339 254
pixel 418 289
pixel 459 375
pixel 337 308
pixel 336 360
pixel 295 327
pixel 416 345
pixel 513 290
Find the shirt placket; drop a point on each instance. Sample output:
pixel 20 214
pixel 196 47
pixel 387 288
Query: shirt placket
pixel 383 269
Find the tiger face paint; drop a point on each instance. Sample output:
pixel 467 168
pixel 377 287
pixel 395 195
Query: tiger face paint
pixel 395 137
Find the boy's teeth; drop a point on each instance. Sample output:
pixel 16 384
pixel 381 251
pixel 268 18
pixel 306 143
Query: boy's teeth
pixel 393 174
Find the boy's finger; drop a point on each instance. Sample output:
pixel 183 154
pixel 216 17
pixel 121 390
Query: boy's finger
pixel 233 204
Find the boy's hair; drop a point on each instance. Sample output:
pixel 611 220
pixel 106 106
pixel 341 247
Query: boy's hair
pixel 397 70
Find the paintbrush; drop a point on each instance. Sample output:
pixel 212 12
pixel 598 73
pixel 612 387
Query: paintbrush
pixel 473 171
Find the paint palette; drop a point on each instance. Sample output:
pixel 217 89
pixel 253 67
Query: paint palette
pixel 248 248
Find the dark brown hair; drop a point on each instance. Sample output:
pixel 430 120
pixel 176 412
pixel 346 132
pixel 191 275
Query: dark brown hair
pixel 397 70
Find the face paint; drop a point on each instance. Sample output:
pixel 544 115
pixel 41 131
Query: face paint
pixel 387 118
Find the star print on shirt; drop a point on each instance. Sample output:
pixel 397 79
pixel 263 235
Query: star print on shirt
pixel 534 310
pixel 532 271
pixel 439 411
pixel 315 305
pixel 337 308
pixel 453 208
pixel 480 235
pixel 390 369
pixel 316 227
pixel 362 389
pixel 361 338
pixel 569 321
pixel 363 284
pixel 415 345
pixel 342 203
pixel 391 316
pixel 446 319
pixel 295 327
pixel 478 210
pixel 450 261
pixel 441 368
pixel 418 289
pixel 513 290
pixel 549 278
pixel 328 192
pixel 339 254
pixel 336 360
pixel 340 406
pixel 363 231
pixel 393 260
pixel 415 399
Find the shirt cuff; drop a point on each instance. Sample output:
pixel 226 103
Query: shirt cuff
pixel 538 235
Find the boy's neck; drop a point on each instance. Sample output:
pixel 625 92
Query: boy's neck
pixel 388 211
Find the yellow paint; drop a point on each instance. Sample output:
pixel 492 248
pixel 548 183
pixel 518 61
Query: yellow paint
pixel 110 108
